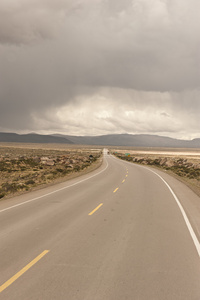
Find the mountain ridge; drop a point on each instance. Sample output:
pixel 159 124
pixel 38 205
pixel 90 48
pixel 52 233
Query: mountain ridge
pixel 129 140
pixel 32 138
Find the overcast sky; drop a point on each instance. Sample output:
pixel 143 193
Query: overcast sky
pixel 92 67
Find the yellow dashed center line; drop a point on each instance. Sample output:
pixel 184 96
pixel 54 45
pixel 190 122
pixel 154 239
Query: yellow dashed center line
pixel 115 190
pixel 91 213
pixel 20 273
pixel 123 181
pixel 126 175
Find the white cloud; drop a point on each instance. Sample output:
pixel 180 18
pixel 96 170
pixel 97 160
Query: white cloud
pixel 121 111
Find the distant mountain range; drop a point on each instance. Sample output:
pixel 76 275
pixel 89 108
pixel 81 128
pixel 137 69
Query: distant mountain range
pixel 32 138
pixel 127 140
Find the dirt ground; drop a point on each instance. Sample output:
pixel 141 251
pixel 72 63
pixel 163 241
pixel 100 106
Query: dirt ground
pixel 26 167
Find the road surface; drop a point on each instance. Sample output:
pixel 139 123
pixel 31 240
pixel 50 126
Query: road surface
pixel 121 232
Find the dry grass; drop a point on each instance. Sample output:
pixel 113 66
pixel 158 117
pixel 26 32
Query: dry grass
pixel 24 167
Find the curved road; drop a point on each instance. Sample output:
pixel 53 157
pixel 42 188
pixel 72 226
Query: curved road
pixel 117 233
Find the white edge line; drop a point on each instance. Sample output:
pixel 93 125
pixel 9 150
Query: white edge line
pixel 58 190
pixel 189 226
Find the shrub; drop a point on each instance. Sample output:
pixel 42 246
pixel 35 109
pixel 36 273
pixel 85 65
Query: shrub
pixel 76 168
pixel 10 187
pixel 66 172
pixel 30 181
pixel 2 194
pixel 31 162
pixel 59 170
pixel 156 162
pixel 3 166
pixel 23 168
pixel 84 166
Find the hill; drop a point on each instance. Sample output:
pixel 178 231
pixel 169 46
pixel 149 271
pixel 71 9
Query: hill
pixel 32 138
pixel 127 140
pixel 130 140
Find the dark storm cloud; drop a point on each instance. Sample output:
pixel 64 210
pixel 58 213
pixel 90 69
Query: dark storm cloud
pixel 143 54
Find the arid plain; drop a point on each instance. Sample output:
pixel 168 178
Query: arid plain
pixel 24 167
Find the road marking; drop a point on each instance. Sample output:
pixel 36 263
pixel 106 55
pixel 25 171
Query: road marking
pixel 91 213
pixel 189 226
pixel 115 190
pixel 58 190
pixel 20 273
pixel 123 181
pixel 126 175
pixel 187 222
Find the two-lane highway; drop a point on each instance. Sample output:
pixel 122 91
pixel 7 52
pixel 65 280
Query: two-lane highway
pixel 116 233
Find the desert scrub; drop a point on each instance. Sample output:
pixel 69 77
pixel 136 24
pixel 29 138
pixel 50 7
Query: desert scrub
pixel 29 162
pixel 30 181
pixel 77 168
pixel 84 166
pixel 23 168
pixel 59 170
pixel 2 193
pixel 12 187
pixel 3 166
pixel 186 172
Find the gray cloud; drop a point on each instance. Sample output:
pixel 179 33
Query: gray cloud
pixel 139 55
pixel 23 22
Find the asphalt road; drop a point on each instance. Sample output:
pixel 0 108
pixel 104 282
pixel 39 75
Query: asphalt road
pixel 121 232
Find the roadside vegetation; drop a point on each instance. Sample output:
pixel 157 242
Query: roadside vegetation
pixel 187 169
pixel 23 169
